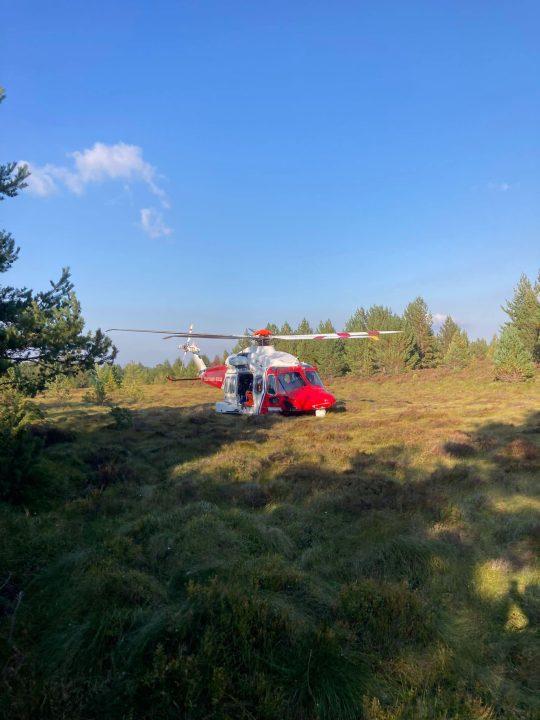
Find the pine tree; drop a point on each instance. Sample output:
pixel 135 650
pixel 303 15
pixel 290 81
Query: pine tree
pixel 241 344
pixel 492 347
pixel 418 321
pixel 330 353
pixel 306 350
pixel 286 345
pixel 392 353
pixel 360 354
pixel 512 359
pixel 397 353
pixel 524 313
pixel 109 376
pixel 448 329
pixel 479 349
pixel 41 334
pixel 458 354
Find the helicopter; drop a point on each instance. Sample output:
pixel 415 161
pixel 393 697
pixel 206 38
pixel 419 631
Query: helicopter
pixel 261 380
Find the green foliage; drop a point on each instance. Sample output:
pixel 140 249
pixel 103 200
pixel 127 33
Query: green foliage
pixel 445 335
pixel 200 568
pixel 418 321
pixel 122 417
pixel 60 389
pixel 390 355
pixel 479 349
pixel 330 354
pixel 110 378
pixel 12 180
pixel 512 359
pixel 133 380
pixel 285 345
pixel 273 328
pixel 458 354
pixel 97 392
pixel 524 313
pixel 360 354
pixel 19 449
pixel 492 346
pixel 306 350
pixel 42 330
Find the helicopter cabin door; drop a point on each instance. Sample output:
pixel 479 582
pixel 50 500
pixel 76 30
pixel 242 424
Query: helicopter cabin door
pixel 230 402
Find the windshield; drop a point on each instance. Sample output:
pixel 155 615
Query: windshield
pixel 313 378
pixel 291 381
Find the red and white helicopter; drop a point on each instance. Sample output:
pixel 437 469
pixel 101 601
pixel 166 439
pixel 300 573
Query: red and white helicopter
pixel 261 379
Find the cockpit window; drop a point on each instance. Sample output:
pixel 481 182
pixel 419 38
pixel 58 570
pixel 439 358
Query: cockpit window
pixel 291 381
pixel 271 384
pixel 313 378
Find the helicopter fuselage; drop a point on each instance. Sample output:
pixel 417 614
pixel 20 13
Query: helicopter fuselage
pixel 261 380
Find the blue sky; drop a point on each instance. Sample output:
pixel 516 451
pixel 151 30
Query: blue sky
pixel 231 163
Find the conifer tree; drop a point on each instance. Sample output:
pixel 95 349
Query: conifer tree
pixel 191 371
pixel 359 354
pixel 41 334
pixel 178 368
pixel 273 328
pixel 479 349
pixel 241 344
pixel 330 353
pixel 286 345
pixel 512 359
pixel 458 354
pixel 418 321
pixel 524 313
pixel 492 347
pixel 447 331
pixel 397 353
pixel 392 353
pixel 306 350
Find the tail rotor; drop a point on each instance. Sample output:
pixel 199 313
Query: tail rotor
pixel 190 347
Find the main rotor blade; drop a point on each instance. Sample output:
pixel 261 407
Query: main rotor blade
pixel 337 335
pixel 174 333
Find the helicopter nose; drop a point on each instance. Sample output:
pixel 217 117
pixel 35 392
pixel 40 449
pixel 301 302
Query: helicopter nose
pixel 313 398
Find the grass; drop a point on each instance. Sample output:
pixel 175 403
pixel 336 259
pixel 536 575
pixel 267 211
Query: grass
pixel 378 563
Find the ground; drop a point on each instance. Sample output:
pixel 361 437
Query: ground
pixel 376 563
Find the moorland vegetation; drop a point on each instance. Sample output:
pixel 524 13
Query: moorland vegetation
pixel 380 563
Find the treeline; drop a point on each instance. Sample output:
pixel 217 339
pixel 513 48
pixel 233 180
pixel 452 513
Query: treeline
pixel 417 346
pixel 513 353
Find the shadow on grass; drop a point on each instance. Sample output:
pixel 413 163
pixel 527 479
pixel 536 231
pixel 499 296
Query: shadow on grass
pixel 382 591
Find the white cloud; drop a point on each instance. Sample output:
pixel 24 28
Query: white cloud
pixel 439 318
pixel 103 163
pixel 97 164
pixel 152 223
pixel 42 179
